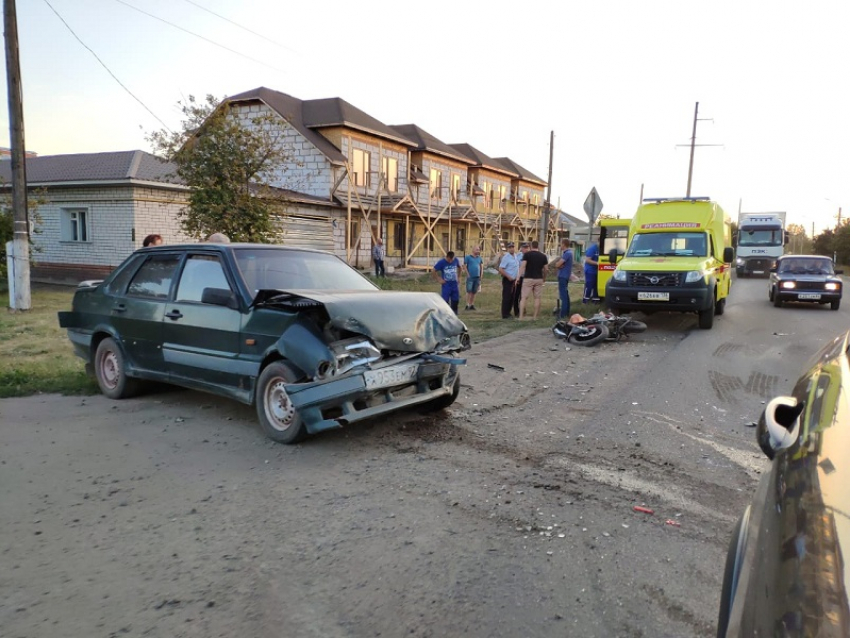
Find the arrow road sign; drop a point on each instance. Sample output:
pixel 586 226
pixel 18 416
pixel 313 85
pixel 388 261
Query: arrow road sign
pixel 592 205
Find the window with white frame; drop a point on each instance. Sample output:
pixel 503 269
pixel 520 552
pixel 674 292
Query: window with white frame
pixel 502 192
pixel 389 167
pixel 75 224
pixel 360 166
pixel 436 182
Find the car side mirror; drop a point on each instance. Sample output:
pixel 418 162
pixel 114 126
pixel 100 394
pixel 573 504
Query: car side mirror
pixel 728 255
pixel 779 425
pixel 220 297
pixel 613 254
pixel 773 269
pixel 839 271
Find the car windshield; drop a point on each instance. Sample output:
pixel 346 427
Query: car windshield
pixel 806 267
pixel 280 269
pixel 673 244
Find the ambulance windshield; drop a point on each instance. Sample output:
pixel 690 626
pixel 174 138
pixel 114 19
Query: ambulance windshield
pixel 675 244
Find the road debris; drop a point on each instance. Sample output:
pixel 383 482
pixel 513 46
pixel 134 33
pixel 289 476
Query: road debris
pixel 644 510
pixel 495 367
pixel 672 523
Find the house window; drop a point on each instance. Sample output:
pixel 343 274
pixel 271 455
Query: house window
pixel 353 233
pixel 360 166
pixel 485 189
pixel 398 237
pixel 525 196
pixel 436 182
pixel 75 224
pixel 460 239
pixel 455 187
pixel 493 201
pixel 389 167
pixel 502 191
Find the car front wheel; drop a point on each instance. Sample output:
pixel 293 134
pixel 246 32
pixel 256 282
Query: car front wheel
pixel 110 371
pixel 278 417
pixel 835 305
pixel 776 300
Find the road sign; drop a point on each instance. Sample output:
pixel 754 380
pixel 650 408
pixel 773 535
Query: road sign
pixel 592 205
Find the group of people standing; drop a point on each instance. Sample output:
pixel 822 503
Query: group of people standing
pixel 523 275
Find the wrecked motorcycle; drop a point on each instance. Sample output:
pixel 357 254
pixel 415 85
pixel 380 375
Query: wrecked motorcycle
pixel 602 326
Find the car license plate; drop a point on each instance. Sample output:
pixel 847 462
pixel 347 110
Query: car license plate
pixel 395 375
pixel 808 295
pixel 653 296
pixel 758 272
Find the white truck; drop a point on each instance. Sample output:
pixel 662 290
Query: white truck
pixel 761 240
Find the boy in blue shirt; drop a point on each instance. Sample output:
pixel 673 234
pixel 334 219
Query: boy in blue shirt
pixel 446 272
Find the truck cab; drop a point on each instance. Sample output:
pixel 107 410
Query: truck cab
pixel 678 259
pixel 613 241
pixel 761 241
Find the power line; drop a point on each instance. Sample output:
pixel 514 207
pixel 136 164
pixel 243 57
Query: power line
pixel 259 35
pixel 171 24
pixel 114 77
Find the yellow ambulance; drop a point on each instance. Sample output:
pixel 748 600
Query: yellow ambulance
pixel 679 259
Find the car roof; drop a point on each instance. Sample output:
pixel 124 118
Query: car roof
pixel 213 246
pixel 805 257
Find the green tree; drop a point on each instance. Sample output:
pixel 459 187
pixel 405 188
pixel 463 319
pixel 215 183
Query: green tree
pixel 228 166
pixel 35 198
pixel 798 242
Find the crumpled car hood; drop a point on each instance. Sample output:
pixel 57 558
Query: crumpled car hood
pixel 402 321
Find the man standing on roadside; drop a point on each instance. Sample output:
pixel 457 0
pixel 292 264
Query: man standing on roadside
pixel 378 257
pixel 509 270
pixel 533 270
pixel 565 269
pixel 446 272
pixel 474 266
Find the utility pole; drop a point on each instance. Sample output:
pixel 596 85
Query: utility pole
pixel 547 207
pixel 21 300
pixel 693 145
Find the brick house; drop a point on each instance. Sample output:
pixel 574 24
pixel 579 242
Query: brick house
pixel 97 208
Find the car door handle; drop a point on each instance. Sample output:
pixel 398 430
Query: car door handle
pixel 174 314
pixel 119 307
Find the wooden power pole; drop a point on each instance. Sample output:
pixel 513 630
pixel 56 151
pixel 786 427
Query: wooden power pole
pixel 20 276
pixel 547 209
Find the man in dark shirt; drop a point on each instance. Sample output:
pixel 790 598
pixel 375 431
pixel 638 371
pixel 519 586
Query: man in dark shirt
pixel 533 271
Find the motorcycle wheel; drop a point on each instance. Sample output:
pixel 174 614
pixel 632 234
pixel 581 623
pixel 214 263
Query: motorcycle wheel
pixel 633 326
pixel 589 335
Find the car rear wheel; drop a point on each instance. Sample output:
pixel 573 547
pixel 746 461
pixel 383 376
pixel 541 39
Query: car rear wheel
pixel 835 305
pixel 278 417
pixel 110 371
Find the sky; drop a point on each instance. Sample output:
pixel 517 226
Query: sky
pixel 616 81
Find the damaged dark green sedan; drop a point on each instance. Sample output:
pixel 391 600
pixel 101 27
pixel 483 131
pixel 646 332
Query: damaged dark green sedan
pixel 296 332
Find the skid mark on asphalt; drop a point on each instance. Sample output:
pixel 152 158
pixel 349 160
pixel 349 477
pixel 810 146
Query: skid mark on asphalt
pixel 749 461
pixel 736 348
pixel 624 480
pixel 730 388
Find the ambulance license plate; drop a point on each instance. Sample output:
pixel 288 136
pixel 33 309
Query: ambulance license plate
pixel 653 296
pixel 809 295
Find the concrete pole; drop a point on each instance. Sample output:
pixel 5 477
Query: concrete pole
pixel 22 298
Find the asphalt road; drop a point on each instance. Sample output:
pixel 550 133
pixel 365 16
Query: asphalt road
pixel 510 514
